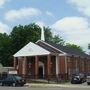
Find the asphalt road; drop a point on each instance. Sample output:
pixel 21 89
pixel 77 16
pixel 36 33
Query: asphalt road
pixel 83 86
pixel 55 88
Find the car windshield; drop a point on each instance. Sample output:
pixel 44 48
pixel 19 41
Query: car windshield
pixel 17 77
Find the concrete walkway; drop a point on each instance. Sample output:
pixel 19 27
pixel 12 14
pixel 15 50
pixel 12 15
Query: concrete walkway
pixel 66 85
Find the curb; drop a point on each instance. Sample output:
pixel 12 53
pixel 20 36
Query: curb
pixel 56 86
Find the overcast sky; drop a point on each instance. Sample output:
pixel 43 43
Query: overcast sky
pixel 68 18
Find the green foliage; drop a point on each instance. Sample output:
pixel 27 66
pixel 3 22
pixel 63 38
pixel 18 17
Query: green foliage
pixel 58 40
pixel 5 49
pixel 89 46
pixel 48 34
pixel 75 47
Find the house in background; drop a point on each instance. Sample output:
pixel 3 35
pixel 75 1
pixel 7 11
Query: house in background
pixel 47 60
pixel 7 70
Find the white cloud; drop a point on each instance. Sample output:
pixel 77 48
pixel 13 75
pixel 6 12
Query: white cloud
pixel 13 15
pixel 4 28
pixel 49 13
pixel 2 2
pixel 40 23
pixel 74 29
pixel 82 5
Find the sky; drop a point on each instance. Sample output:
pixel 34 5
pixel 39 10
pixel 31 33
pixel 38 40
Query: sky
pixel 68 18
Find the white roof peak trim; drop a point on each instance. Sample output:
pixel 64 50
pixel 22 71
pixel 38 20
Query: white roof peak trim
pixel 62 54
pixel 31 49
pixel 38 41
pixel 51 46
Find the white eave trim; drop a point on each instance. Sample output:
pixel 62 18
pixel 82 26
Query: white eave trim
pixel 63 54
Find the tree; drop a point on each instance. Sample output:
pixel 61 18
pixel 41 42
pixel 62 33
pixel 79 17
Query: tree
pixel 5 50
pixel 48 34
pixel 74 46
pixel 58 40
pixel 89 46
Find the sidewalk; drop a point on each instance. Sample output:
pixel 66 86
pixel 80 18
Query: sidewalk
pixel 66 85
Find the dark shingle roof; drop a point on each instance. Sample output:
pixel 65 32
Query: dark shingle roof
pixel 43 45
pixel 68 50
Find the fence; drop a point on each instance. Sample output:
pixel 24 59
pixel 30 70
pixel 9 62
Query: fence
pixel 60 78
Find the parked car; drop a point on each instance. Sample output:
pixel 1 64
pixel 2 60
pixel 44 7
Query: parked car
pixel 88 78
pixel 76 80
pixel 12 80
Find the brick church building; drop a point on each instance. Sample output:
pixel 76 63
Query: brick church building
pixel 44 60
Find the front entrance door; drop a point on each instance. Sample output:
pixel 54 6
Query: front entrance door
pixel 40 72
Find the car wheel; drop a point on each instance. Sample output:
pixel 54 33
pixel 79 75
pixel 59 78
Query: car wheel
pixel 88 83
pixel 72 82
pixel 1 84
pixel 14 84
pixel 22 85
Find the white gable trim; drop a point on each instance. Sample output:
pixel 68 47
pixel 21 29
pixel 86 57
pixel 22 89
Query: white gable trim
pixel 31 49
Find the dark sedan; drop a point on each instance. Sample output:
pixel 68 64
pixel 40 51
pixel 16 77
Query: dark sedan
pixel 76 80
pixel 12 81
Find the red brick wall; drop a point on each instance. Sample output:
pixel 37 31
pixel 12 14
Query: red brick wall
pixel 53 65
pixel 62 65
pixel 20 66
pixel 70 65
pixel 33 69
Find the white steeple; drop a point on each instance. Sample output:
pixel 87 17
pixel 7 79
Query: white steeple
pixel 41 24
pixel 42 34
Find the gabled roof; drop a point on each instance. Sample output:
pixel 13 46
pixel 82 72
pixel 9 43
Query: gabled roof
pixel 45 48
pixel 48 47
pixel 65 49
pixel 31 49
pixel 69 50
